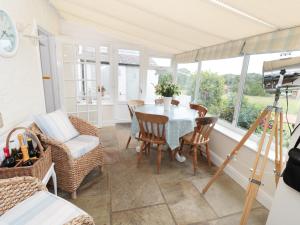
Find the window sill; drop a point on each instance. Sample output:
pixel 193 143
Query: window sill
pixel 250 144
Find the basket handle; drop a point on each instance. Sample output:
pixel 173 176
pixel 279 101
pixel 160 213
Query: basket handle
pixel 33 135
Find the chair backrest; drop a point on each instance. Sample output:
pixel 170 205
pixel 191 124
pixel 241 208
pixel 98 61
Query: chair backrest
pixel 161 101
pixel 175 102
pixel 132 104
pixel 152 126
pixel 200 108
pixel 203 128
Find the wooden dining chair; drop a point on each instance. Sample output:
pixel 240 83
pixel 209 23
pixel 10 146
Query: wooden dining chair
pixel 160 101
pixel 152 131
pixel 199 137
pixel 175 102
pixel 132 104
pixel 200 108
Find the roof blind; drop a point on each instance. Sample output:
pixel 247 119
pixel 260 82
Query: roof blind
pixel 278 41
pixel 186 57
pixel 222 51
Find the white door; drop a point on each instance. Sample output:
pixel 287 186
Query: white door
pixel 81 82
pixel 46 71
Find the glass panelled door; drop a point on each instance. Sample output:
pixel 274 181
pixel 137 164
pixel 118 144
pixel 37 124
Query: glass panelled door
pixel 81 82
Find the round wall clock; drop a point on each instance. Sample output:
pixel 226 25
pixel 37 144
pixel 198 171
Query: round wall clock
pixel 9 39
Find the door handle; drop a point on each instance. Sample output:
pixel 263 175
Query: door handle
pixel 46 77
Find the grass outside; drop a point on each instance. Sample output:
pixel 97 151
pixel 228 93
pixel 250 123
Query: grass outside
pixel 294 104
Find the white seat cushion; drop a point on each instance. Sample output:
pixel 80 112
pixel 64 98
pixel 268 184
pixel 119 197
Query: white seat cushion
pixel 56 125
pixel 41 208
pixel 81 145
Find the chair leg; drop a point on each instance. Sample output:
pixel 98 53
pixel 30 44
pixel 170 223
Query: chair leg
pixel 181 145
pixel 140 154
pixel 195 162
pixel 171 154
pixel 129 139
pixel 208 155
pixel 148 149
pixel 158 158
pixel 74 195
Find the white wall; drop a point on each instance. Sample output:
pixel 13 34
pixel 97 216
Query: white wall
pixel 222 143
pixel 224 140
pixel 21 87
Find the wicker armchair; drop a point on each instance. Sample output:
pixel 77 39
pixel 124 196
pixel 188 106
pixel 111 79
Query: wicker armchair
pixel 16 190
pixel 70 171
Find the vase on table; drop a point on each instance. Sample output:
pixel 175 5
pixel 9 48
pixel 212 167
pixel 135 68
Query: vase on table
pixel 167 103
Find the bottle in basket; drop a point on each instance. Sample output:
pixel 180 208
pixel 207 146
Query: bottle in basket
pixel 14 151
pixel 9 161
pixel 20 138
pixel 26 160
pixel 32 152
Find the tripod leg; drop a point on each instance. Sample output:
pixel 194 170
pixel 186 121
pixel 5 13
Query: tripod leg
pixel 253 189
pixel 281 141
pixel 255 179
pixel 236 149
pixel 261 143
pixel 278 154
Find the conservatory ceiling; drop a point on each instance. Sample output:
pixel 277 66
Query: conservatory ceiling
pixel 175 26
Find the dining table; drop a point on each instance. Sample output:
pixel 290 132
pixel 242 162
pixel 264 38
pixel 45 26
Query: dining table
pixel 181 121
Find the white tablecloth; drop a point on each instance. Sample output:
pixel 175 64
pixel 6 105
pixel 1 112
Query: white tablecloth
pixel 181 121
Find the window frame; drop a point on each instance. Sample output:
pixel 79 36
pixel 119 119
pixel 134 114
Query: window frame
pixel 152 67
pixel 116 64
pixel 234 124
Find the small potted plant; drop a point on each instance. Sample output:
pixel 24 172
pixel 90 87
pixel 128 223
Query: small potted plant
pixel 167 90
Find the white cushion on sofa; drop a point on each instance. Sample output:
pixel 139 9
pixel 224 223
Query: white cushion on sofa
pixel 81 145
pixel 56 125
pixel 41 208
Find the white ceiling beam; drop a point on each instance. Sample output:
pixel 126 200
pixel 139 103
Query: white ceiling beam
pixel 242 13
pixel 117 34
pixel 203 16
pixel 120 26
pixel 224 38
pixel 109 13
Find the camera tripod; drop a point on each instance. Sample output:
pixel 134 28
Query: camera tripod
pixel 260 162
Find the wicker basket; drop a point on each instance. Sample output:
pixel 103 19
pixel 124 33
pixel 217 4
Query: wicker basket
pixel 40 166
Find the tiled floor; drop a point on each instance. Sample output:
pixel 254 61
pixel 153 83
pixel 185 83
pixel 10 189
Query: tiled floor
pixel 125 194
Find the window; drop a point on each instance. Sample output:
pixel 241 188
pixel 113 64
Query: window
pixel 255 98
pixel 128 74
pixel 160 62
pixel 219 81
pixel 187 76
pixel 86 75
pixel 154 76
pixel 80 81
pixel 159 69
pixel 106 78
